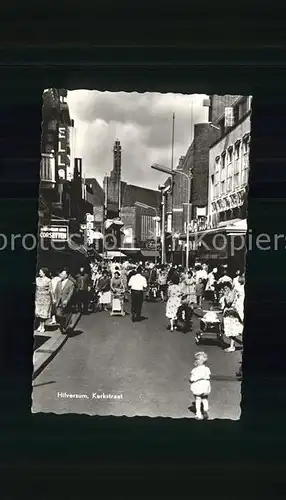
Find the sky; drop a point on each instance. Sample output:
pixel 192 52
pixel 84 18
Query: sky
pixel 143 125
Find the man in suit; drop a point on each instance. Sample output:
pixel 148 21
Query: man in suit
pixel 63 299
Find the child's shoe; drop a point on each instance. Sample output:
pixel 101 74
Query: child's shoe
pixel 199 417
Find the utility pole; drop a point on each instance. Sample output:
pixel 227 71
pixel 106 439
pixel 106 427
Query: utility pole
pixel 163 258
pixel 173 184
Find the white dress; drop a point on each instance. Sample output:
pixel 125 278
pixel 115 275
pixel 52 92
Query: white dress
pixel 200 381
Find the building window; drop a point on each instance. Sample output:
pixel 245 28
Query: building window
pixel 237 158
pixel 230 165
pixel 236 181
pixel 223 163
pixel 223 160
pixel 212 187
pixel 245 161
pixel 244 176
pixel 223 187
pixel 229 184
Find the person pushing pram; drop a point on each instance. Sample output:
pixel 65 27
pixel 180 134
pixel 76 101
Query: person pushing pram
pixel 117 295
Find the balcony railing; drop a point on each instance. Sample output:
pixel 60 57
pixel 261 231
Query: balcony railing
pixel 48 170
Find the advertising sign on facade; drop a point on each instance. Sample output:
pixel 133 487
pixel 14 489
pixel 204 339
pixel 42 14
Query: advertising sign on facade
pixel 98 214
pixel 89 217
pixel 54 233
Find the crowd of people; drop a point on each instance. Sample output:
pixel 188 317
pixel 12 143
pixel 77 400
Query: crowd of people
pixel 181 290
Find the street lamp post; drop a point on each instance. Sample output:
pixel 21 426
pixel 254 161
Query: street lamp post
pixel 189 177
pixel 156 218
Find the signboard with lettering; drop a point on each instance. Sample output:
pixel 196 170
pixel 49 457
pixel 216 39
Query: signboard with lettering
pixel 54 233
pixel 98 213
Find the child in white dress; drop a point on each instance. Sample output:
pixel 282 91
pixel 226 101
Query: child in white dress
pixel 200 384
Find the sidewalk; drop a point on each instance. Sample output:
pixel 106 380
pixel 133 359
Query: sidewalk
pixel 48 344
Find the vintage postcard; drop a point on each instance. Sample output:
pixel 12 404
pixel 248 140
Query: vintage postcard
pixel 139 305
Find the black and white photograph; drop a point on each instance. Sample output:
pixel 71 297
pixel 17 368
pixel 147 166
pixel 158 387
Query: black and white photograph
pixel 142 236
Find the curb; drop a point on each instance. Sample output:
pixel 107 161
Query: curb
pixel 44 355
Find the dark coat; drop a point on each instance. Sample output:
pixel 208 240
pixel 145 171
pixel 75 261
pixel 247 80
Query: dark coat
pixel 63 295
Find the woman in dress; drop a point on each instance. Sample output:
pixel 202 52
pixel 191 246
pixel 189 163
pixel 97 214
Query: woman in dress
pixel 103 287
pixel 189 289
pixel 232 322
pixel 174 301
pixel 43 299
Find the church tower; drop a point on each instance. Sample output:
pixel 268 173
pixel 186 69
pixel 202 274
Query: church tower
pixel 114 183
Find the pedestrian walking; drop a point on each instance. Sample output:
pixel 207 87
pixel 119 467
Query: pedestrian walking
pixel 137 284
pixel 43 298
pixel 54 282
pixel 162 282
pixel 200 385
pixel 63 299
pixel 103 287
pixel 236 283
pixel 232 322
pixel 188 301
pixel 210 290
pixel 200 287
pixel 174 301
pixel 83 287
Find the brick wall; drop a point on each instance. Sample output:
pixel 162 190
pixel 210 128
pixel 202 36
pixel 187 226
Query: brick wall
pixel 95 193
pixel 204 137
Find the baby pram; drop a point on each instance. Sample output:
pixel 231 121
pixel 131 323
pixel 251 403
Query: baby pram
pixel 210 326
pixel 117 303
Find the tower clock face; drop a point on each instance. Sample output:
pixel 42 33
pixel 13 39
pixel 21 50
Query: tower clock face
pixel 62 173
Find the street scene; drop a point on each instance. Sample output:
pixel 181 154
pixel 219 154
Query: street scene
pixel 140 286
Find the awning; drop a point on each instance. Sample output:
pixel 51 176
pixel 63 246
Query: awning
pixel 239 226
pixel 150 253
pixel 113 255
pixel 131 251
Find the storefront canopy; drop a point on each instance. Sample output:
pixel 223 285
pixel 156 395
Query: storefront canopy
pixel 237 226
pixel 151 254
pixel 113 255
